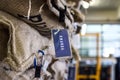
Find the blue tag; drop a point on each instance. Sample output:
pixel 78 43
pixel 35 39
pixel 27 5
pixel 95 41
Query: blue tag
pixel 61 43
pixel 72 73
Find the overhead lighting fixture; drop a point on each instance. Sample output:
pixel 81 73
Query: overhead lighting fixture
pixel 95 3
pixel 85 4
pixel 92 2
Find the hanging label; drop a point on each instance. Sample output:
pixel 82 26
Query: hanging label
pixel 72 73
pixel 61 43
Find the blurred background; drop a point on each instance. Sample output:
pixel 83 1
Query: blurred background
pixel 100 41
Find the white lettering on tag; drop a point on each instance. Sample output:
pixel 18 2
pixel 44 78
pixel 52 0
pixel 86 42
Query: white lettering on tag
pixel 61 42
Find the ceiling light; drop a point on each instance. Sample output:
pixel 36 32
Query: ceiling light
pixel 85 4
pixel 92 2
pixel 95 2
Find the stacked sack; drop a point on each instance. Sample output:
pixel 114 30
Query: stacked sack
pixel 29 24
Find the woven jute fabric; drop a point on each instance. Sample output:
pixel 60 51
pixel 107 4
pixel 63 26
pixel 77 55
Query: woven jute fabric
pixel 19 8
pixel 75 3
pixel 49 14
pixel 22 42
pixel 7 74
pixel 78 15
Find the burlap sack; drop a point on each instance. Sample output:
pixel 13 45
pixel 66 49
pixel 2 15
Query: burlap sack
pixel 60 68
pixel 16 7
pixel 7 74
pixel 42 19
pixel 60 9
pixel 76 3
pixel 20 41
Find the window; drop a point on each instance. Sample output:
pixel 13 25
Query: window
pixel 109 40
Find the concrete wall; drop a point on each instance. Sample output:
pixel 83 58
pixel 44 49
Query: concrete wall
pixel 103 16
